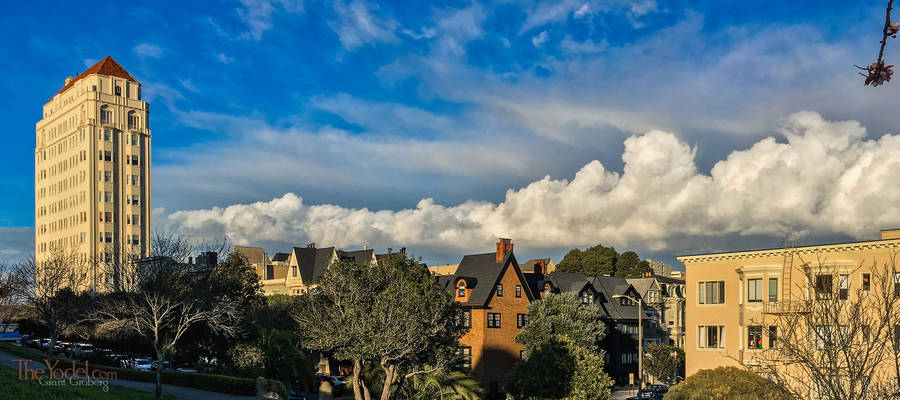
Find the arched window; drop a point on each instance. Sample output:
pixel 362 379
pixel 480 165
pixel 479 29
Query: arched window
pixel 462 289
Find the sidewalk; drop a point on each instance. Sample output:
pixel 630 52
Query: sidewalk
pixel 180 393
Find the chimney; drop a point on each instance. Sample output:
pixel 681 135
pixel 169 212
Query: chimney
pixel 311 245
pixel 539 267
pixel 403 250
pixel 69 79
pixel 504 247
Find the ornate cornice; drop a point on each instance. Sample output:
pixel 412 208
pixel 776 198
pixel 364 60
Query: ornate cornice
pixel 803 250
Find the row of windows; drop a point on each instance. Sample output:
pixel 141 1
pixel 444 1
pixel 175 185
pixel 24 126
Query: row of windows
pixel 107 135
pixel 494 320
pixel 629 358
pixel 63 223
pixel 714 292
pixel 107 197
pixel 72 240
pixel 108 217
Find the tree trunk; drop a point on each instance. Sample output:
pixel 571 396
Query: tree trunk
pixel 359 387
pixel 161 361
pixel 390 373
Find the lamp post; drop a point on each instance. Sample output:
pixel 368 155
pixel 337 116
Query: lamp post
pixel 640 335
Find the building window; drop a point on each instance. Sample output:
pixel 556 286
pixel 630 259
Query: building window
pixel 773 336
pixel 625 301
pixel 518 290
pixel 467 318
pixel 712 292
pixel 823 286
pixel 896 284
pixel 118 90
pixel 546 290
pixel 499 290
pixel 866 281
pixel 270 272
pixel 108 237
pixel 823 337
pixel 134 200
pixel 493 320
pixel 843 286
pixel 107 155
pixel 711 337
pixel 521 320
pixel 586 297
pixel 773 289
pixel 754 337
pixel 754 290
pixel 465 357
pixel 461 292
pixel 294 271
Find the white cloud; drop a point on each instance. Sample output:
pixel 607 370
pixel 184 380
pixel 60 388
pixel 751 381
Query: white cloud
pixel 539 39
pixel 826 179
pixel 358 24
pixel 257 14
pixel 582 11
pixel 224 58
pixel 148 50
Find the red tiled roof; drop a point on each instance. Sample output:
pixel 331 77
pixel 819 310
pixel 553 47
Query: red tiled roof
pixel 106 66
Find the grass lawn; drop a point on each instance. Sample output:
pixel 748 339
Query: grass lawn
pixel 14 389
pixel 24 352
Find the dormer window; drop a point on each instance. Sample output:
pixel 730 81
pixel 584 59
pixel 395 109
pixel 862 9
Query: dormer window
pixel 462 289
pixel 586 297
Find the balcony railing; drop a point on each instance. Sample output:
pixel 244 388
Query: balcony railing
pixel 785 307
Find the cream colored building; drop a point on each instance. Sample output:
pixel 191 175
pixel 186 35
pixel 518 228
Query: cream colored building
pixel 296 272
pixel 731 295
pixel 92 169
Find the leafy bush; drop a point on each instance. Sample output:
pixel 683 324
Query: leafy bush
pixel 727 383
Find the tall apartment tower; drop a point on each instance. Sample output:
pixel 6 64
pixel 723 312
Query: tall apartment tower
pixel 92 171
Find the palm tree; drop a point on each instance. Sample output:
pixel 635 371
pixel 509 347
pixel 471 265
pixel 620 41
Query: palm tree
pixel 283 359
pixel 442 384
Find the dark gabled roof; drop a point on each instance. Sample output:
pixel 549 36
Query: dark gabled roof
pixel 610 286
pixel 484 271
pixel 306 260
pixel 667 279
pixel 254 255
pixel 106 66
pixel 358 256
pixel 568 281
pixel 281 257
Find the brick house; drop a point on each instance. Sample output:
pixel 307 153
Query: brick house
pixel 494 295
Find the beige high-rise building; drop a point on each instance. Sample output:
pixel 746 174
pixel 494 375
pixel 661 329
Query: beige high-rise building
pixel 92 170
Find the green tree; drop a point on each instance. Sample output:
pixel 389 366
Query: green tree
pixel 440 384
pixel 394 314
pixel 600 260
pixel 560 369
pixel 593 261
pixel 562 315
pixel 563 359
pixel 727 383
pixel 663 361
pixel 283 359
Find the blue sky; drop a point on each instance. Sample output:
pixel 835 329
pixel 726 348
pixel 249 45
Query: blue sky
pixel 364 109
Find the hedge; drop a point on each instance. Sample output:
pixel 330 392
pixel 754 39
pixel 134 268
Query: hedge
pixel 210 382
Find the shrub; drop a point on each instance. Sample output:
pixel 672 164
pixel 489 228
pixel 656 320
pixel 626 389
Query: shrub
pixel 727 383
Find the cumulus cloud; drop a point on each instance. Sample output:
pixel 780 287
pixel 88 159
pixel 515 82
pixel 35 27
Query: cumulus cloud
pixel 820 176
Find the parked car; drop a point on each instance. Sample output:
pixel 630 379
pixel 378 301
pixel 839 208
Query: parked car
pixel 661 389
pixel 10 336
pixel 167 366
pixel 339 381
pixel 82 350
pixel 297 395
pixel 141 364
